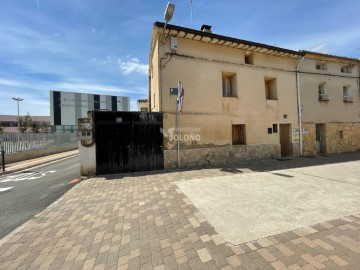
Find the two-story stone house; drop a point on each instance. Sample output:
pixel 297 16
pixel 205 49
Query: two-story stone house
pixel 240 97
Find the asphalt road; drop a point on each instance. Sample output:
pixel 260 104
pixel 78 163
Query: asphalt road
pixel 26 193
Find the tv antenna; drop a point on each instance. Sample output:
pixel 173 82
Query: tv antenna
pixel 191 14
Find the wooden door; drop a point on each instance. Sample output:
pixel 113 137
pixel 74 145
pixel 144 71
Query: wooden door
pixel 285 140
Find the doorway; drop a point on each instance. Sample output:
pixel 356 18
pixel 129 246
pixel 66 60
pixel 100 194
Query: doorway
pixel 320 139
pixel 285 140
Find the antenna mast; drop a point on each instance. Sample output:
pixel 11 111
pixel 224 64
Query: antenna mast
pixel 191 14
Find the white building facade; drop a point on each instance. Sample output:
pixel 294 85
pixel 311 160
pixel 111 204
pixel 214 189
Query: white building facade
pixel 67 107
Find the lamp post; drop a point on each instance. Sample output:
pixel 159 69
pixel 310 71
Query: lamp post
pixel 18 101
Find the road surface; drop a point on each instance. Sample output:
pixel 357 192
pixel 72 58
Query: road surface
pixel 26 193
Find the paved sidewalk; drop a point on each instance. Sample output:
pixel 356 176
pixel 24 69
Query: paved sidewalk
pixel 144 221
pixel 22 165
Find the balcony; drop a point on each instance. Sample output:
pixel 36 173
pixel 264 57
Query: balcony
pixel 348 99
pixel 324 97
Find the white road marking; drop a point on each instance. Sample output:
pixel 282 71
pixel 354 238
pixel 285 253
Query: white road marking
pixel 24 176
pixel 5 189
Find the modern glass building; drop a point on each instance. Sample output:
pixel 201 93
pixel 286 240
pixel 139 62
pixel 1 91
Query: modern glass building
pixel 67 107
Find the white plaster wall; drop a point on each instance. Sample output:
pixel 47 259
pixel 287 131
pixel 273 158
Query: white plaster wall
pixel 87 157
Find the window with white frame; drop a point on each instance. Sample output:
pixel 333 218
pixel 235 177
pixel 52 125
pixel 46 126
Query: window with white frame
pixel 347 97
pixel 322 92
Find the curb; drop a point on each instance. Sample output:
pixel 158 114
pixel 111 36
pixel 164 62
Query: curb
pixel 35 165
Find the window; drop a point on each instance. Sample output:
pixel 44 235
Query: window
pixel 270 89
pixel 341 134
pixel 347 97
pixel 270 131
pixel 322 92
pixel 249 59
pixel 321 66
pixel 238 134
pixel 346 69
pixel 275 128
pixel 229 84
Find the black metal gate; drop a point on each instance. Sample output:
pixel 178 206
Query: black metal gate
pixel 128 142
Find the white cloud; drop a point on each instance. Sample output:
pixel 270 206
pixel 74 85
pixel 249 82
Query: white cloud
pixel 321 48
pixel 133 65
pixel 74 86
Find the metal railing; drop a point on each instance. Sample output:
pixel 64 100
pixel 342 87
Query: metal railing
pixel 18 142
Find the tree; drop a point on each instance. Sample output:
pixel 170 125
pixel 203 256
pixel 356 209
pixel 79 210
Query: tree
pixel 44 127
pixel 25 123
pixel 35 127
pixel 1 128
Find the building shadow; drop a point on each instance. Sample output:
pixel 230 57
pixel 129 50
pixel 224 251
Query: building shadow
pixel 252 166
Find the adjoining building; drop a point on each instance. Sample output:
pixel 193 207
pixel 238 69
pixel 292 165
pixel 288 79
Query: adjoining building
pixel 330 103
pixel 10 122
pixel 67 107
pixel 240 97
pixel 143 105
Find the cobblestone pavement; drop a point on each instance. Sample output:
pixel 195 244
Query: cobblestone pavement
pixel 144 221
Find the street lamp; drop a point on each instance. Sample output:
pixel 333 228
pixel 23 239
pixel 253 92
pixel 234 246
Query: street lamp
pixel 18 101
pixel 169 12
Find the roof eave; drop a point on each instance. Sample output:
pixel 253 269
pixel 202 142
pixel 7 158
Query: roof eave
pixel 212 38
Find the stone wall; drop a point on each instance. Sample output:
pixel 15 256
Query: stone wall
pixel 350 141
pixel 309 139
pixel 339 138
pixel 219 155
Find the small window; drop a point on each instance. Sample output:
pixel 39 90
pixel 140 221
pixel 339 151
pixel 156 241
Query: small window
pixel 275 128
pixel 321 66
pixel 341 134
pixel 270 89
pixel 229 84
pixel 347 97
pixel 238 134
pixel 346 69
pixel 249 59
pixel 270 131
pixel 322 92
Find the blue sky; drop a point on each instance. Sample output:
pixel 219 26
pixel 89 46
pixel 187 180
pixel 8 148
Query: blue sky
pixel 102 47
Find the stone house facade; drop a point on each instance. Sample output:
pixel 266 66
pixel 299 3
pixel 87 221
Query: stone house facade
pixel 240 97
pixel 330 103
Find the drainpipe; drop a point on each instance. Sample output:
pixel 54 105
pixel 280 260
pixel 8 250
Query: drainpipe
pixel 160 75
pixel 299 105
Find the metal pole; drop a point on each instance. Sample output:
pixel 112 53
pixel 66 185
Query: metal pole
pixel 18 106
pixel 3 159
pixel 2 155
pixel 18 122
pixel 177 124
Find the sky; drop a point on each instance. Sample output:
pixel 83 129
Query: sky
pixel 102 47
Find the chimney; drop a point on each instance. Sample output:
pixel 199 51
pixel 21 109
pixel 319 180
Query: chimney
pixel 206 28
